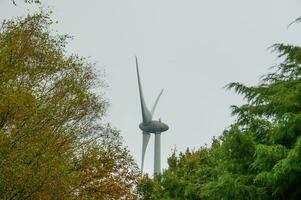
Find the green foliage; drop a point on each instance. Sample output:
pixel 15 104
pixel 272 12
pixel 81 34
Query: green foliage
pixel 185 176
pixel 267 156
pixel 259 156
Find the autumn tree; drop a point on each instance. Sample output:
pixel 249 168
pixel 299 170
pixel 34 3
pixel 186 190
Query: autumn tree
pixel 52 142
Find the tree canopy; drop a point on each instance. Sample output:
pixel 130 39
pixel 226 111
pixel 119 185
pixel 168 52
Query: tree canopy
pixel 52 142
pixel 258 157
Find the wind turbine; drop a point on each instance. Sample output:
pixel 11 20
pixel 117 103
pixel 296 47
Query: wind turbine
pixel 149 126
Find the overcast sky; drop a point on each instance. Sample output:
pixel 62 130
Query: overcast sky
pixel 192 48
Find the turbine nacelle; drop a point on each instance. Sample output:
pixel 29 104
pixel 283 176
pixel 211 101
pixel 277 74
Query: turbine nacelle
pixel 153 127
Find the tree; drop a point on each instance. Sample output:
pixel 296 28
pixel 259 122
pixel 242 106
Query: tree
pixel 272 118
pixel 259 156
pixel 185 176
pixel 52 142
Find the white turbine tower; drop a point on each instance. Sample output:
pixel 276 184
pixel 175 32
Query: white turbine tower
pixel 149 126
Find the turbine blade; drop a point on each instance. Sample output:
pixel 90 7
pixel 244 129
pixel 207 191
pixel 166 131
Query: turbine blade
pixel 156 102
pixel 146 115
pixel 145 139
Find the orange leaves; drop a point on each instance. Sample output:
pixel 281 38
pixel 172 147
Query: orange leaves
pixel 52 144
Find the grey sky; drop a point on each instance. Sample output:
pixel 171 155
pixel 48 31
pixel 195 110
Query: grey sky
pixel 192 48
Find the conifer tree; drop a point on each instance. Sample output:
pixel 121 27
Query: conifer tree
pixel 259 156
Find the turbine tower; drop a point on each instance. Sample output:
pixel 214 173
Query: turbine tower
pixel 149 126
